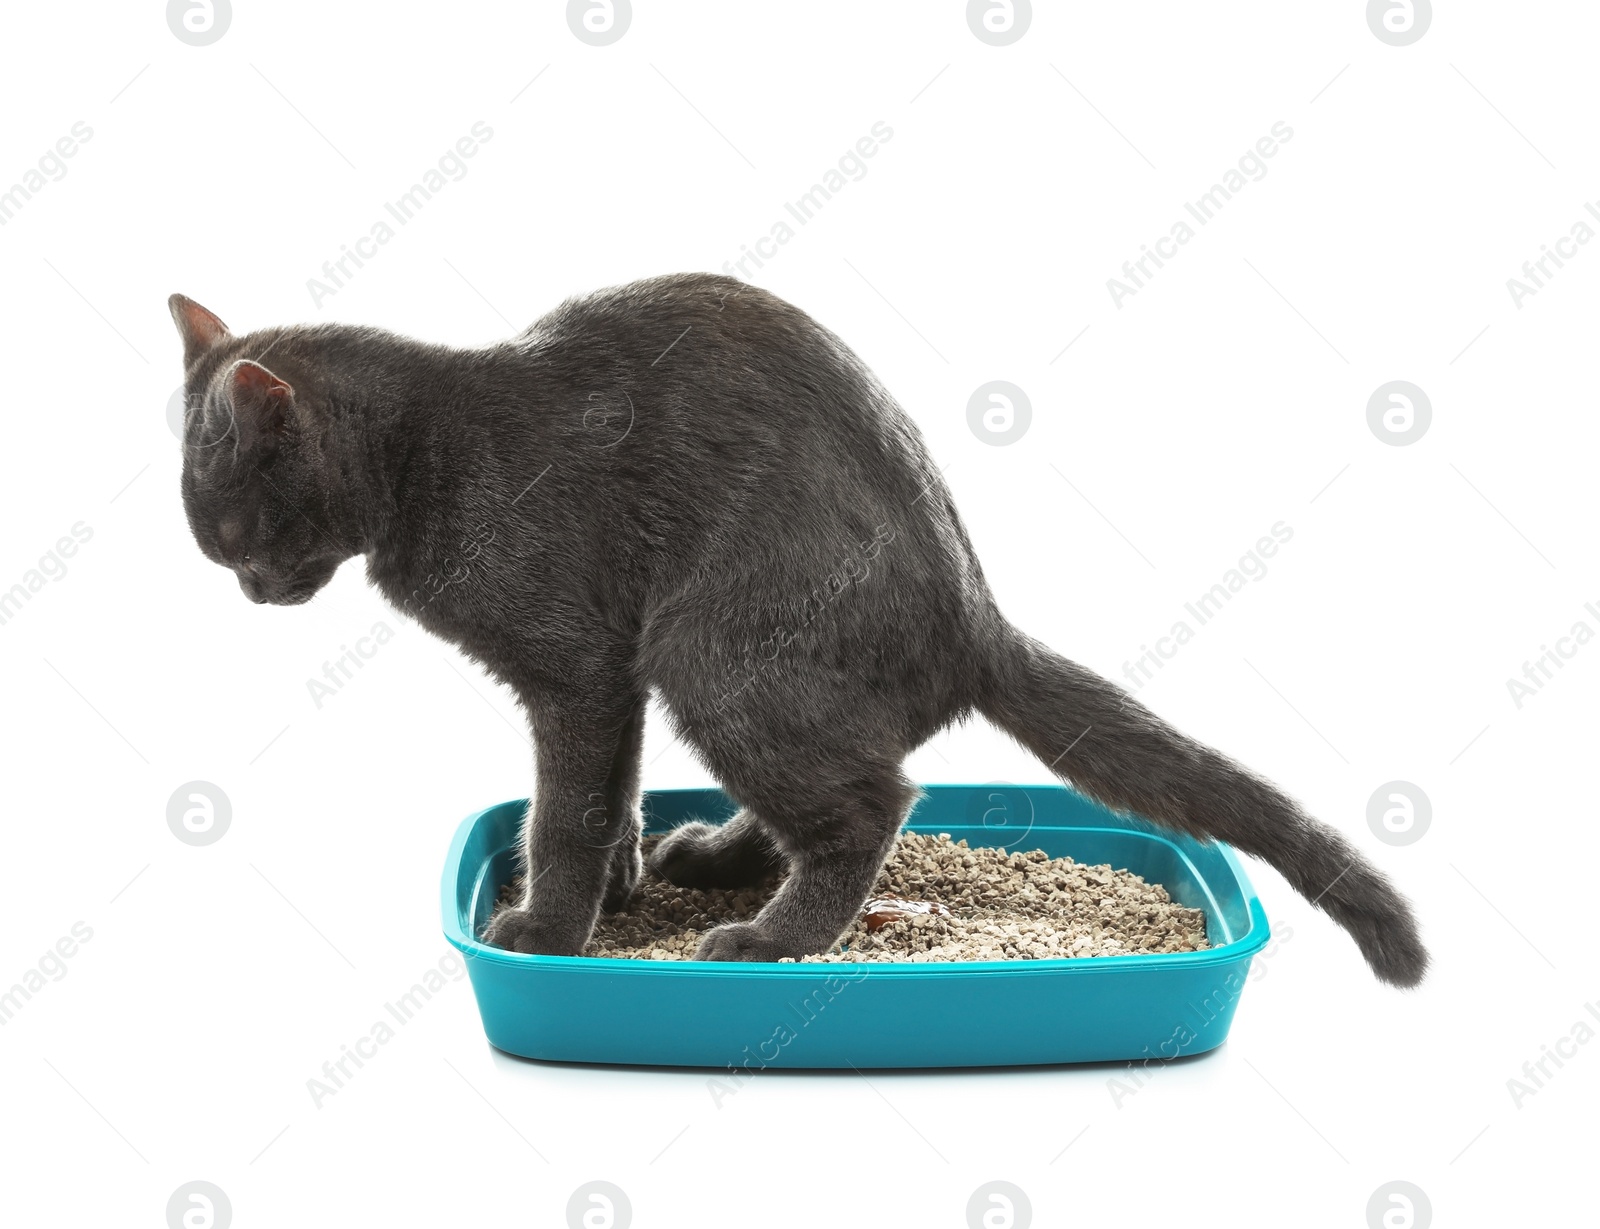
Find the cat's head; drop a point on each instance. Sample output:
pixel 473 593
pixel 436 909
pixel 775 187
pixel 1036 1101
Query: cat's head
pixel 260 489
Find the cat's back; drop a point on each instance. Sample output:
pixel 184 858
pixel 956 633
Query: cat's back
pixel 725 359
pixel 628 320
pixel 727 378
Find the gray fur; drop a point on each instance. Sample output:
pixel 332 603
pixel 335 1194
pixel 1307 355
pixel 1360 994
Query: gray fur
pixel 686 486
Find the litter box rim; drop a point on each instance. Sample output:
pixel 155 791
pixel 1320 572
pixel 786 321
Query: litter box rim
pixel 461 886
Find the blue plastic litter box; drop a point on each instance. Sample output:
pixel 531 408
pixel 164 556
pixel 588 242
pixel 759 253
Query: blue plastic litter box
pixel 951 1014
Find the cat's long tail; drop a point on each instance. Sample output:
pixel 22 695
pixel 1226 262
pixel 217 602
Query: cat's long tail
pixel 1118 752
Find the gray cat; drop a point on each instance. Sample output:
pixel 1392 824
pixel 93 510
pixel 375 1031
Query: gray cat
pixel 688 487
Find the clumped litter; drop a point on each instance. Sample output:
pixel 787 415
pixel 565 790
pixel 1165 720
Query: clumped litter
pixel 935 900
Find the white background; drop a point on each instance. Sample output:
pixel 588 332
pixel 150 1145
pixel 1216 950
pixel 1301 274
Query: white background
pixel 1227 395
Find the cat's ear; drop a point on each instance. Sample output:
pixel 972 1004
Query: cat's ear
pixel 199 328
pixel 262 405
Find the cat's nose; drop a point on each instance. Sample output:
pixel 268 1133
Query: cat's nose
pixel 253 589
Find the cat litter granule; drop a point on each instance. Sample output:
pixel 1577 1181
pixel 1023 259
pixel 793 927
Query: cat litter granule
pixel 935 900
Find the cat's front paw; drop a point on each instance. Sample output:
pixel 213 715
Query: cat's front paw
pixel 516 931
pixel 741 941
pixel 622 876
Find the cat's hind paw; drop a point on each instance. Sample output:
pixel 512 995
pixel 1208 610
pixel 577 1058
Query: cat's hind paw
pixel 685 856
pixel 698 855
